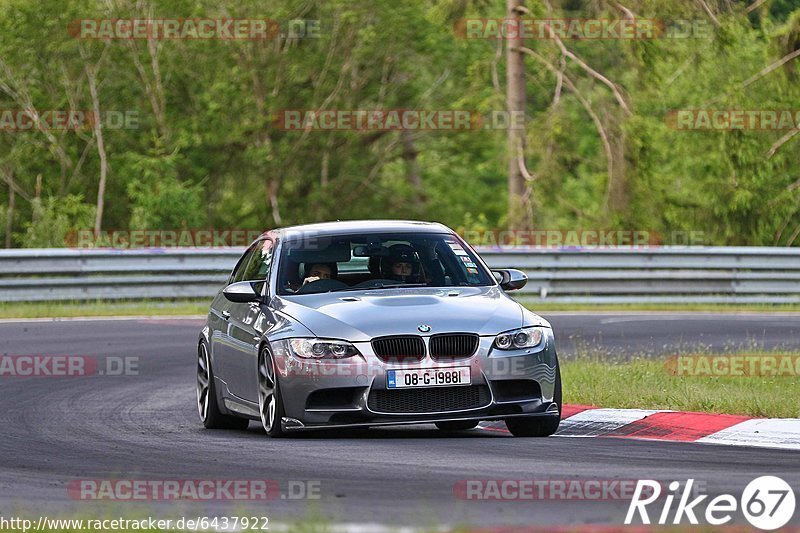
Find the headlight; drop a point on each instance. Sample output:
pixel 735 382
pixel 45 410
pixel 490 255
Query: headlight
pixel 321 349
pixel 519 339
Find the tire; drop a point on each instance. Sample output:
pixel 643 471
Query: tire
pixel 538 426
pixel 270 403
pixel 207 406
pixel 457 425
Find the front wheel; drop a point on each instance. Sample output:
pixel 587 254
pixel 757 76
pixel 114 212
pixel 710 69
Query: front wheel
pixel 538 426
pixel 270 404
pixel 207 407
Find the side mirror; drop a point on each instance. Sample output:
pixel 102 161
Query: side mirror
pixel 241 292
pixel 510 279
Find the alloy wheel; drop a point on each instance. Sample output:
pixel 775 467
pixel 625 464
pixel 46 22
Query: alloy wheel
pixel 266 391
pixel 203 381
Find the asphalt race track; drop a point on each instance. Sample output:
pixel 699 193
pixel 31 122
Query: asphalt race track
pixel 656 334
pixel 145 426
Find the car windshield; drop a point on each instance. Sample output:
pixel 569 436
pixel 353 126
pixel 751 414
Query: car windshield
pixel 317 264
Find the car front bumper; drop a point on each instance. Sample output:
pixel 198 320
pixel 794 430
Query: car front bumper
pixel 354 393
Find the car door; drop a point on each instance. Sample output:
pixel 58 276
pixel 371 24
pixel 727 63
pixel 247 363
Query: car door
pixel 246 325
pixel 219 321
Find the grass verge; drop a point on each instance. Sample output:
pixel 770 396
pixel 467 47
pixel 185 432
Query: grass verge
pixel 647 383
pixel 103 308
pixel 200 307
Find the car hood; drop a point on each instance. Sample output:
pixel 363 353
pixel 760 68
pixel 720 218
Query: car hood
pixel 362 315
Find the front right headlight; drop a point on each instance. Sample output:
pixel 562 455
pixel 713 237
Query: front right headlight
pixel 519 339
pixel 321 349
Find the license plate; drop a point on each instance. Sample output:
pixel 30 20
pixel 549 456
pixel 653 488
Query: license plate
pixel 428 377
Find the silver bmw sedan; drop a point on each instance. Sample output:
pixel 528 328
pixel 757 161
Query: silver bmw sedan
pixel 368 323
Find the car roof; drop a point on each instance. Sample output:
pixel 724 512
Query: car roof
pixel 361 227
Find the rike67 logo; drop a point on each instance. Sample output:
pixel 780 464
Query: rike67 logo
pixel 767 502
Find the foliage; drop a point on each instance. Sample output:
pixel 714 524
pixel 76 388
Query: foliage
pixel 204 150
pixel 54 219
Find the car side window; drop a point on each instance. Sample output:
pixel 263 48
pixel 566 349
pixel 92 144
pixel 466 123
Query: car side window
pixel 258 266
pixel 241 266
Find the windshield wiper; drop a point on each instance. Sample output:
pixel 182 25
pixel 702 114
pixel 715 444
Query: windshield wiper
pixel 380 286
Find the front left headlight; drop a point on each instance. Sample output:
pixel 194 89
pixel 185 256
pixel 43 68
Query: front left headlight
pixel 321 349
pixel 519 339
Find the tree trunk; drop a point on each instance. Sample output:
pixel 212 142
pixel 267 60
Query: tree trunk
pixel 617 195
pixel 12 198
pixel 518 205
pixel 91 76
pixel 272 197
pixel 413 174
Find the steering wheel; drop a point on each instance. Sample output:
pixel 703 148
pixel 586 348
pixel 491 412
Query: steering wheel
pixel 321 285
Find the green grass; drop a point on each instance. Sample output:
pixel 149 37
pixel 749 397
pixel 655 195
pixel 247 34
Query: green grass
pixel 645 383
pixel 543 307
pixel 103 308
pixel 200 307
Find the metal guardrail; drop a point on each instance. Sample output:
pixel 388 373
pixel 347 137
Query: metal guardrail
pixel 657 275
pixel 580 275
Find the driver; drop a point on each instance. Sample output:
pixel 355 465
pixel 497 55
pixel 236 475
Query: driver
pixel 318 271
pixel 401 265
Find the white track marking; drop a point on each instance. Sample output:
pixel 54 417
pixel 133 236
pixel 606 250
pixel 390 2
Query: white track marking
pixel 783 433
pixel 596 422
